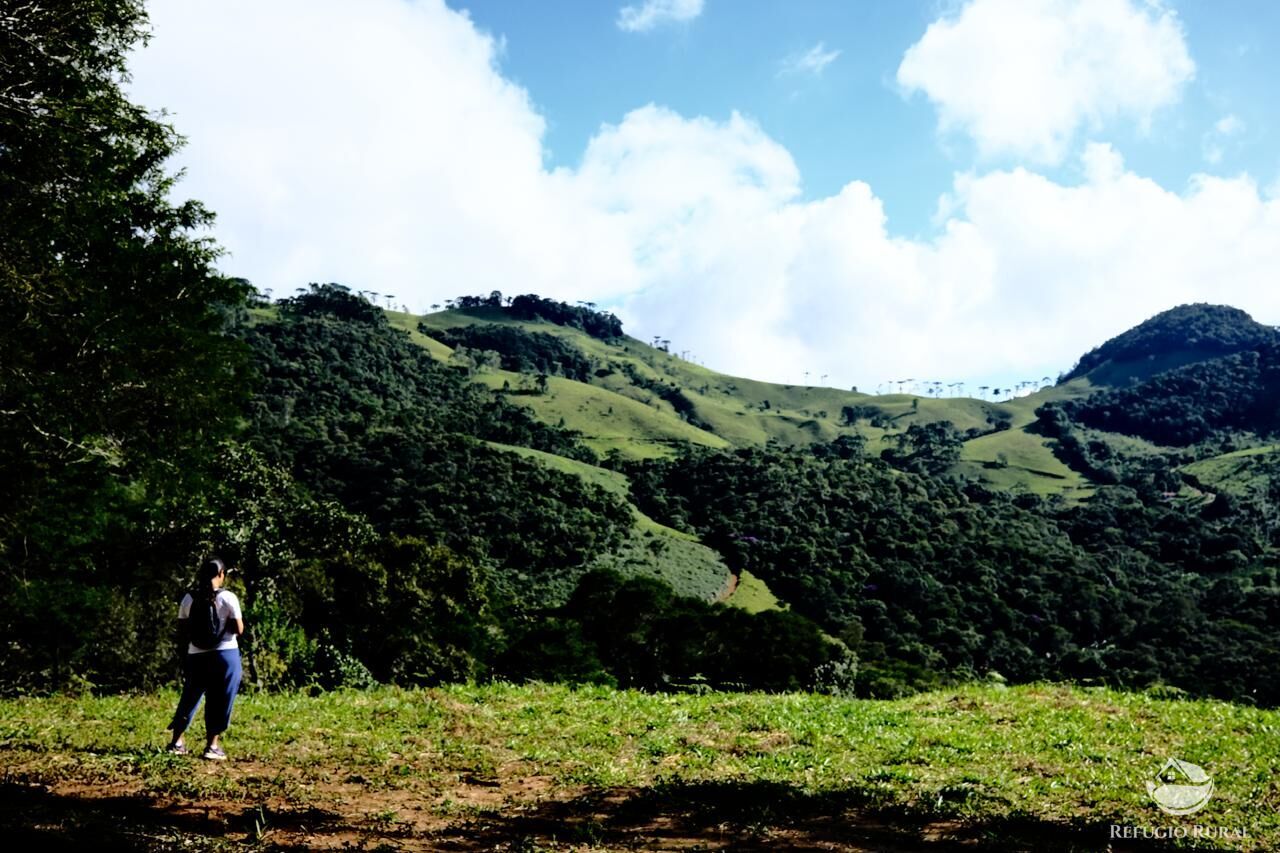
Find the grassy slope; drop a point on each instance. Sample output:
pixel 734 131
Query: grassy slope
pixel 752 595
pixel 409 323
pixel 613 413
pixel 1031 464
pixel 606 419
pixel 1238 472
pixel 1034 766
pixel 733 406
pixel 652 549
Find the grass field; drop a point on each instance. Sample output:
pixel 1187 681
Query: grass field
pixel 1014 459
pixel 752 595
pixel 550 767
pixel 409 323
pixel 607 420
pixel 1242 472
pixel 610 481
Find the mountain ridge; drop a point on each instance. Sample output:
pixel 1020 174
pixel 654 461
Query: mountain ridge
pixel 1181 335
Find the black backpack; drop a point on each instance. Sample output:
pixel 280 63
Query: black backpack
pixel 204 627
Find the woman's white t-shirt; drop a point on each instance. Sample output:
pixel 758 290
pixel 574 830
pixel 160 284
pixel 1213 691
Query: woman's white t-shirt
pixel 228 608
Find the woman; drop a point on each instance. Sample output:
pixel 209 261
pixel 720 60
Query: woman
pixel 209 618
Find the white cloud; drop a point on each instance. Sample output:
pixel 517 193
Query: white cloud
pixel 1229 125
pixel 377 146
pixel 1023 77
pixel 1025 275
pixel 812 61
pixel 383 148
pixel 1215 141
pixel 652 13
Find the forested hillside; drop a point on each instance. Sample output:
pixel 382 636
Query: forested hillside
pixel 367 420
pixel 1189 404
pixel 1187 333
pixel 375 479
pixel 932 580
pixel 924 575
pixel 513 488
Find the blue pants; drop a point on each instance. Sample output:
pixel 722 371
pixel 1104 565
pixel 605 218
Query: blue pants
pixel 218 675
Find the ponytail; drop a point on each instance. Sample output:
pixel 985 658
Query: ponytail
pixel 209 571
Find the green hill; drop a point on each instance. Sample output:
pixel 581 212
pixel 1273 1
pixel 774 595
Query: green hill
pixel 1173 399
pixel 850 510
pixel 363 372
pixel 644 402
pixel 1171 339
pixel 626 405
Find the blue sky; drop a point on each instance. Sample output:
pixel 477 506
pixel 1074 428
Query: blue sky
pixel 970 191
pixel 852 120
pixel 847 121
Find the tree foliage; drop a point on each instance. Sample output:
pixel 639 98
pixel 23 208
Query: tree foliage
pixel 929 580
pixel 520 350
pixel 637 633
pixel 1187 405
pixel 117 376
pixel 115 371
pixel 1207 331
pixel 599 324
pixel 929 448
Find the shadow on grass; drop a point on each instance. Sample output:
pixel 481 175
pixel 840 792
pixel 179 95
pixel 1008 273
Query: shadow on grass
pixel 702 816
pixel 32 818
pixel 766 816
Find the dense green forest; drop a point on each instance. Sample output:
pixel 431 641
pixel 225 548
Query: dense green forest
pixel 118 376
pixel 412 510
pixel 927 578
pixel 518 350
pixel 1200 331
pixel 1187 405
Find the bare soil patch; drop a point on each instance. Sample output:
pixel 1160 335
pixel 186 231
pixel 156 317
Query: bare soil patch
pixel 501 813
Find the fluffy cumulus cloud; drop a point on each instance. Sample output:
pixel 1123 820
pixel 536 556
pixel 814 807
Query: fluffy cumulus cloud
pixel 653 13
pixel 1023 77
pixel 373 144
pixel 383 148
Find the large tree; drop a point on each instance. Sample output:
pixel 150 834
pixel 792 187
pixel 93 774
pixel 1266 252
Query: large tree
pixel 116 374
pixel 114 367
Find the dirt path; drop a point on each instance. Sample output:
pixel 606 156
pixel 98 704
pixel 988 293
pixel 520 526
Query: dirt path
pixel 729 588
pixel 473 814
